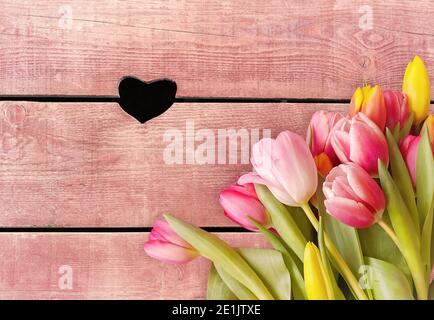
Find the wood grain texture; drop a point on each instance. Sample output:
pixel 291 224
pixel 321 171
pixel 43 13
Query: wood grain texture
pixel 104 266
pixel 275 48
pixel 72 164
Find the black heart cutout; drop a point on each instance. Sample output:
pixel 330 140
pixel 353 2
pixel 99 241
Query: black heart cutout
pixel 146 100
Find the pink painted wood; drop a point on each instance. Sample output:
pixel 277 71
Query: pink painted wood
pixel 102 265
pixel 92 165
pixel 276 48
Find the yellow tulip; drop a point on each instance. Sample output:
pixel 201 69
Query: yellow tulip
pixel 416 86
pixel 317 282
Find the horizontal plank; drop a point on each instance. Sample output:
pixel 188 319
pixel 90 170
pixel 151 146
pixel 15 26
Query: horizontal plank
pixel 274 48
pixel 98 266
pixel 75 164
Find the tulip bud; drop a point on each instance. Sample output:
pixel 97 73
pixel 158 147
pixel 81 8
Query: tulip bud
pixel 286 166
pixel 165 245
pixel 416 86
pixel 319 133
pixel 240 202
pixel 370 101
pixel 398 109
pixel 359 140
pixel 315 276
pixel 353 197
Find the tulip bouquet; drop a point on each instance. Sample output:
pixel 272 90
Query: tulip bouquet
pixel 348 211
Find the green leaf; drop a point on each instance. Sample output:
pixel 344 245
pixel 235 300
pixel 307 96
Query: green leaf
pixel 239 290
pixel 387 281
pixel 402 178
pixel 213 248
pixel 297 281
pixel 377 244
pixel 271 268
pixel 405 230
pixel 302 222
pixel 344 237
pixel 217 289
pixel 330 278
pixel 425 195
pixel 406 127
pixel 395 132
pixel 282 221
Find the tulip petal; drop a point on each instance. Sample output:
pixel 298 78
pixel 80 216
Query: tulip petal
pixel 319 128
pixel 350 212
pixel 277 191
pixel 168 252
pixel 163 231
pixel 366 188
pixel 368 144
pixel 238 206
pixel 341 145
pixel 294 167
pixel 262 159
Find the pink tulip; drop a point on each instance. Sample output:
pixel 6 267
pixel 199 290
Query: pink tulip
pixel 165 245
pixel 409 147
pixel 286 166
pixel 319 133
pixel 398 108
pixel 239 202
pixel 359 140
pixel 353 197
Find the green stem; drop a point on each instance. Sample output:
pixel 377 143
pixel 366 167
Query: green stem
pixel 339 260
pixel 389 232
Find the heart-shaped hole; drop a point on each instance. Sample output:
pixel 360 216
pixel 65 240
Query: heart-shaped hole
pixel 146 100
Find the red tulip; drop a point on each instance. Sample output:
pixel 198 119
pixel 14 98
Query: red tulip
pixel 319 133
pixel 359 140
pixel 398 108
pixel 286 166
pixel 353 197
pixel 165 245
pixel 370 101
pixel 239 202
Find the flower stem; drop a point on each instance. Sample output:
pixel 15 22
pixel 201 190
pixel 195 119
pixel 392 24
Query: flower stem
pixel 339 260
pixel 389 232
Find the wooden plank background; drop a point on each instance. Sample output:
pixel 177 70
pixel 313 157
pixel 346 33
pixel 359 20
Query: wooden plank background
pixel 101 265
pixel 93 165
pixel 275 48
pixel 88 164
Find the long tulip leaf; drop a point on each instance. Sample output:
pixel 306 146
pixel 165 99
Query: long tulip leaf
pixel 405 230
pixel 425 195
pixel 302 222
pixel 406 127
pixel 297 281
pixel 217 288
pixel 377 244
pixel 271 268
pixel 239 290
pixel 337 293
pixel 219 252
pixel 402 178
pixel 282 221
pixel 387 281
